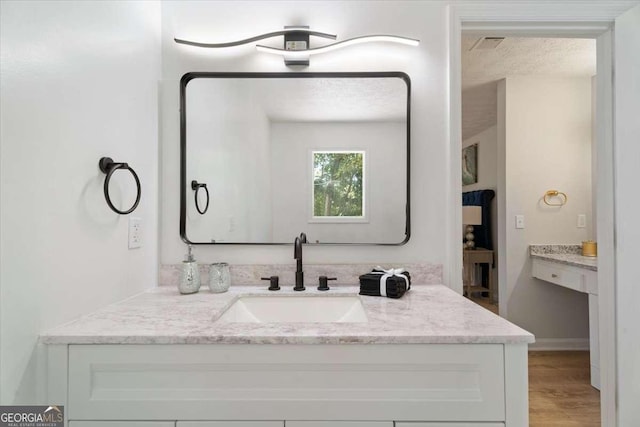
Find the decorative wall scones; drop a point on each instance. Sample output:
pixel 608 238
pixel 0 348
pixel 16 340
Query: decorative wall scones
pixel 296 49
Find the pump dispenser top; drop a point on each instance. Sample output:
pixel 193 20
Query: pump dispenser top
pixel 190 257
pixel 190 278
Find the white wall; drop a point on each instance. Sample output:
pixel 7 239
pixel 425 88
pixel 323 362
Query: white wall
pixel 593 229
pixel 236 174
pixel 78 81
pixel 627 159
pixel 426 65
pixel 384 144
pixel 547 145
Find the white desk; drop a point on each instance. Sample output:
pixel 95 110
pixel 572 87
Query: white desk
pixel 581 280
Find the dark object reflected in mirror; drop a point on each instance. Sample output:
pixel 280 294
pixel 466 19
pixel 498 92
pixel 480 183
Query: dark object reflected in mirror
pixel 327 153
pixel 196 187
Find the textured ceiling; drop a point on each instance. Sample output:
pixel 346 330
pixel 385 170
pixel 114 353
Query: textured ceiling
pixel 334 99
pixel 481 70
pixel 303 99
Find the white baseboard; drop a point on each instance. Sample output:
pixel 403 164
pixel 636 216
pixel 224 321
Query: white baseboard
pixel 559 344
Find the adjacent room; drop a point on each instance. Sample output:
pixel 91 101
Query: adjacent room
pixel 528 107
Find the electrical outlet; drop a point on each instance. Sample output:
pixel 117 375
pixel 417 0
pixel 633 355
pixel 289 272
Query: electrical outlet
pixel 582 221
pixel 519 221
pixel 135 232
pixel 232 224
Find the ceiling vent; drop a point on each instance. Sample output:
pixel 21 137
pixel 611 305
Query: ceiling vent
pixel 485 43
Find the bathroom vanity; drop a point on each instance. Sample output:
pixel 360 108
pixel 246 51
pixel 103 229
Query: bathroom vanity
pixel 159 359
pixel 563 265
pixel 322 143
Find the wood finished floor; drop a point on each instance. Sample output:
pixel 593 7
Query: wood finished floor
pixel 560 392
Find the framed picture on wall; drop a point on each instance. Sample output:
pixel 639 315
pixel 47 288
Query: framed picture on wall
pixel 470 164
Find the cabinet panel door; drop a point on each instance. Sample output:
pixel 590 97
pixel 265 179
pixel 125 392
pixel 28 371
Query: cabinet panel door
pixel 230 424
pixel 223 382
pixel 409 424
pixel 339 424
pixel 122 424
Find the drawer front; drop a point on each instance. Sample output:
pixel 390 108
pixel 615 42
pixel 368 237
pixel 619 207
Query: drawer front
pixel 339 423
pixel 122 424
pixel 287 382
pixel 230 424
pixel 409 424
pixel 560 275
pixel 479 257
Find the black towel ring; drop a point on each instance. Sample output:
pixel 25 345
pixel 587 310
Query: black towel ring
pixel 196 186
pixel 108 166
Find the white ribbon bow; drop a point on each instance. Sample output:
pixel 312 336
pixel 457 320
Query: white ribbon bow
pixel 388 273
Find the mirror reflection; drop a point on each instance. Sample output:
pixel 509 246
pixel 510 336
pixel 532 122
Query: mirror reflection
pixel 282 154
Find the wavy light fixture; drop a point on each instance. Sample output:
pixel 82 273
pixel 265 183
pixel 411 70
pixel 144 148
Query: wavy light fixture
pixel 296 43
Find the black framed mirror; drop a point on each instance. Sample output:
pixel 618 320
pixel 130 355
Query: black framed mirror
pixel 327 154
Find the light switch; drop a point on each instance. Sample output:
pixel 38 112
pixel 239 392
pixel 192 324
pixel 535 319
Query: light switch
pixel 519 221
pixel 135 232
pixel 582 221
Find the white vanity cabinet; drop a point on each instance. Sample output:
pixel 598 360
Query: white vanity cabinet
pixel 252 385
pixel 581 280
pixel 430 357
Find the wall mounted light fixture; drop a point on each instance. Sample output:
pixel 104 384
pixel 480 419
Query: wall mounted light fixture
pixel 296 43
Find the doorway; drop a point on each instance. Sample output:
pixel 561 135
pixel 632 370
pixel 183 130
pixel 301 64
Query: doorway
pixel 551 92
pixel 495 24
pixel 527 156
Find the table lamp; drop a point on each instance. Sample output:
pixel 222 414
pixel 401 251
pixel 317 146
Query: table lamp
pixel 471 215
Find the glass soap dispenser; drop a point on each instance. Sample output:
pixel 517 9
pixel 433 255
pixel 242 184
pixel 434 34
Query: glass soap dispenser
pixel 190 278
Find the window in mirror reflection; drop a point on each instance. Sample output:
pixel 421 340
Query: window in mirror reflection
pixel 338 186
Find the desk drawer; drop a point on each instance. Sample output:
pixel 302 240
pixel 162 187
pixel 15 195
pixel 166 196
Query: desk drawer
pixel 560 275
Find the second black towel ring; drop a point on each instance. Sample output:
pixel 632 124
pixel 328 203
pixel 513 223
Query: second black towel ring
pixel 109 167
pixel 196 186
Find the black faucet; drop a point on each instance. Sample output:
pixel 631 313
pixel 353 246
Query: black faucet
pixel 297 255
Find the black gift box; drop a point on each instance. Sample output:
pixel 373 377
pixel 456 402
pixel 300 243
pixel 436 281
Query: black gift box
pixel 396 286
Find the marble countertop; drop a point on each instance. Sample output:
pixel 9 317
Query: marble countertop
pixel 426 314
pixel 564 254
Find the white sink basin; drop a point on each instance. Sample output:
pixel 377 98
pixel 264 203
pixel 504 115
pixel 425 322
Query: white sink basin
pixel 295 309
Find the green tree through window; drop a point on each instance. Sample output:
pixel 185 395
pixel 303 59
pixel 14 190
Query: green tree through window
pixel 338 184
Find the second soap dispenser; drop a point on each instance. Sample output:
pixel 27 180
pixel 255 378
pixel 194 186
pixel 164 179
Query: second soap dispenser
pixel 190 278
